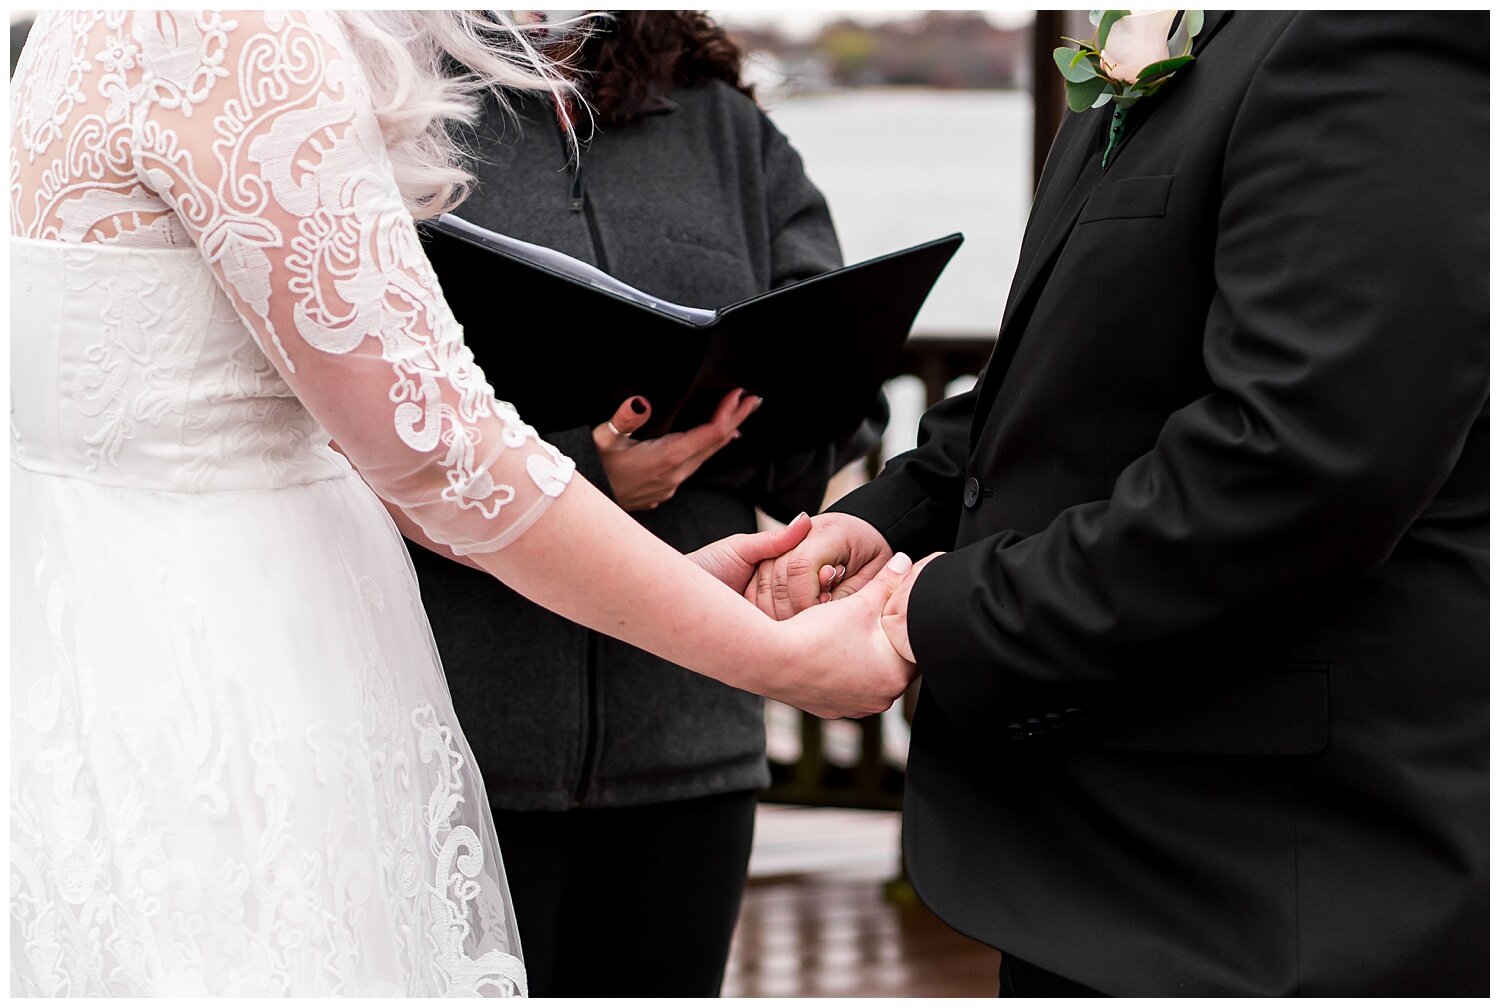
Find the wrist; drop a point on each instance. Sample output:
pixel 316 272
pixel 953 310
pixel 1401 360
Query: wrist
pixel 770 647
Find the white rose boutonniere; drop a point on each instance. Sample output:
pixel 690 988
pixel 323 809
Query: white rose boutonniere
pixel 1132 55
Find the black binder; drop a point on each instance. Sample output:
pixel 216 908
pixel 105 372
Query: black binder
pixel 567 344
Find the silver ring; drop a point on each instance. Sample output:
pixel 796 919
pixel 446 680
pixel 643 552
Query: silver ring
pixel 617 432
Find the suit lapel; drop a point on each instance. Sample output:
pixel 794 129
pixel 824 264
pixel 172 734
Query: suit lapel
pixel 1065 188
pixel 1212 22
pixel 1078 162
pixel 1058 202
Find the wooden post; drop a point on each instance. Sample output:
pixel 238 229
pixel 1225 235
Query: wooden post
pixel 1048 99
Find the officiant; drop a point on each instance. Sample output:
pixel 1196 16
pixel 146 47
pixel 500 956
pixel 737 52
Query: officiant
pixel 624 787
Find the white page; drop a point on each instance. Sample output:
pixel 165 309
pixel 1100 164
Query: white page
pixel 559 262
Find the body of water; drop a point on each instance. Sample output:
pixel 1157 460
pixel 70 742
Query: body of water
pixel 902 166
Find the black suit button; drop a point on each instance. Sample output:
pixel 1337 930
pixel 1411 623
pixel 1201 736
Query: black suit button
pixel 1034 726
pixel 971 493
pixel 1074 714
pixel 1015 731
pixel 1053 720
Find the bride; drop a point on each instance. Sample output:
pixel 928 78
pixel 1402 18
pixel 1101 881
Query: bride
pixel 235 768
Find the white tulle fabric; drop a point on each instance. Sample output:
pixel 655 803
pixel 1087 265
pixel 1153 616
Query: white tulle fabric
pixel 235 765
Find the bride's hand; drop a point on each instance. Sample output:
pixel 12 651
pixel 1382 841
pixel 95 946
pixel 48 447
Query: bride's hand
pixel 733 560
pixel 840 662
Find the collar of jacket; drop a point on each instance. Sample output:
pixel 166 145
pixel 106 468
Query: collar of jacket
pixel 1071 173
pixel 659 104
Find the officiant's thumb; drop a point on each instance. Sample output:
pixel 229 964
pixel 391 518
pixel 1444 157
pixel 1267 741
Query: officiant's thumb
pixel 883 585
pixel 631 416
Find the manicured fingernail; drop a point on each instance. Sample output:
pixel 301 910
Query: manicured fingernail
pixel 758 402
pixel 638 405
pixel 900 564
pixel 734 436
pixel 799 517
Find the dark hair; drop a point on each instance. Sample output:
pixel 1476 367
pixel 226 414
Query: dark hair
pixel 637 56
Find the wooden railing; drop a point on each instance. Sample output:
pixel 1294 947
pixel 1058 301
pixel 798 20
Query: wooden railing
pixel 874 780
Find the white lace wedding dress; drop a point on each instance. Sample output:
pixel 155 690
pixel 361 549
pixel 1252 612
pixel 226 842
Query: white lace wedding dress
pixel 235 768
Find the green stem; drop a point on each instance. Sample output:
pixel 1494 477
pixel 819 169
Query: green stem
pixel 1116 131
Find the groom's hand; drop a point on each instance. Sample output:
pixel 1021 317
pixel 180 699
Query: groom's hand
pixel 839 660
pixel 838 557
pixel 893 619
pixel 733 560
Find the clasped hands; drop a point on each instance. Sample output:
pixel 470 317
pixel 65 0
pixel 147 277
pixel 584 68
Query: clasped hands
pixel 834 582
pixel 837 592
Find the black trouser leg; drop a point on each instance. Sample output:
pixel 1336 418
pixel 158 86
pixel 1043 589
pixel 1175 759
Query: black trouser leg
pixel 538 851
pixel 648 900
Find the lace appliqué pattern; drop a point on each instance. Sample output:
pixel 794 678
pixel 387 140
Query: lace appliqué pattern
pixel 210 195
pixel 251 137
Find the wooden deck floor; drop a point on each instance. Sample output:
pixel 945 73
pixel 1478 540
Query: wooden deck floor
pixel 816 920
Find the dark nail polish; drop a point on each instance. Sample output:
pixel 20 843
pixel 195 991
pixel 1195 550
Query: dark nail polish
pixel 638 405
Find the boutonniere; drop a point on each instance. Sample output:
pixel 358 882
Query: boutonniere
pixel 1130 58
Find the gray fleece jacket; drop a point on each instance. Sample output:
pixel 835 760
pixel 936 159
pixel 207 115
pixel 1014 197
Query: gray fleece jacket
pixel 703 202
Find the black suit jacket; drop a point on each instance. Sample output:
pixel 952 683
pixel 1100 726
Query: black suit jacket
pixel 1205 703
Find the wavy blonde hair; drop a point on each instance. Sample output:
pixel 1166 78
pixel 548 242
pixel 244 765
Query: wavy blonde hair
pixel 427 70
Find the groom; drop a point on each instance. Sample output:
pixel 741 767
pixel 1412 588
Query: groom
pixel 1205 703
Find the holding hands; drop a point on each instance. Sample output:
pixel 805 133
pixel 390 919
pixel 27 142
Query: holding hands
pixel 835 583
pixel 838 594
pixel 835 559
pixel 837 660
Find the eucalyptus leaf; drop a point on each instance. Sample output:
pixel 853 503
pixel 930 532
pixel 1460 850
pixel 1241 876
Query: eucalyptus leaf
pixel 1074 64
pixel 1081 95
pixel 1094 16
pixel 1161 68
pixel 1194 20
pixel 1107 22
pixel 1105 97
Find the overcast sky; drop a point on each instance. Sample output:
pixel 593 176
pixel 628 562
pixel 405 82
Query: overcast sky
pixel 800 23
pixel 796 22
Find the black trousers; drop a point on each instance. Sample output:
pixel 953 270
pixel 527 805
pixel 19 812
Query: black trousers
pixel 1019 978
pixel 628 902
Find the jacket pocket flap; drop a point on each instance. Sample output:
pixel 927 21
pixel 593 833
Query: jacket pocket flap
pixel 1132 197
pixel 1278 712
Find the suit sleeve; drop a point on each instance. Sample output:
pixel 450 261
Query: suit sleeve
pixel 1347 347
pixel 916 501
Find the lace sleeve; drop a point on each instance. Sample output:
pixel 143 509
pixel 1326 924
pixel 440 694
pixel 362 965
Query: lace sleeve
pixel 265 145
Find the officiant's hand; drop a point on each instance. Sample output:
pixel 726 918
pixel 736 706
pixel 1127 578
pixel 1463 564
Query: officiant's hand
pixel 643 474
pixel 839 556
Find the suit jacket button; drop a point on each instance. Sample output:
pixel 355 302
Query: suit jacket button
pixel 1015 731
pixel 1034 726
pixel 1074 714
pixel 1054 720
pixel 971 493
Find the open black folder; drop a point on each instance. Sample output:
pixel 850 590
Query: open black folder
pixel 567 343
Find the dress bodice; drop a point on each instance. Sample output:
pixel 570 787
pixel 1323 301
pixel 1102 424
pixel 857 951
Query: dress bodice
pixel 214 259
pixel 138 372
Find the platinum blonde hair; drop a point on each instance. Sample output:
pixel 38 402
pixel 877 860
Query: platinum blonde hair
pixel 409 59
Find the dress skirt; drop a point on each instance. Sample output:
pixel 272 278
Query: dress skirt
pixel 235 767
